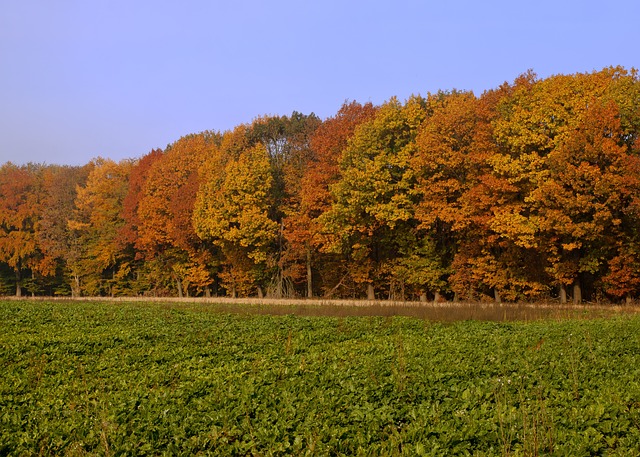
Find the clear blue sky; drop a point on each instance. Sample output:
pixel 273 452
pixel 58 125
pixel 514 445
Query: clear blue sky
pixel 116 78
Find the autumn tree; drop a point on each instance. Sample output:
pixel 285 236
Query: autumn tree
pixel 137 179
pixel 303 230
pixel 446 165
pixel 232 210
pixel 287 141
pixel 371 218
pixel 129 237
pixel 96 223
pixel 580 206
pixel 459 197
pixel 562 144
pixel 622 278
pixel 174 255
pixel 59 243
pixel 19 213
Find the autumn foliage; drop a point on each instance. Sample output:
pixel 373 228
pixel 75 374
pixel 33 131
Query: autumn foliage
pixel 529 191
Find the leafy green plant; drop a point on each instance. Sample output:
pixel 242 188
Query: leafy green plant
pixel 144 379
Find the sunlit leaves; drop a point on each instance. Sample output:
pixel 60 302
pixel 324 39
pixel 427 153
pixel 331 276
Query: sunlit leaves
pixel 165 211
pixel 95 225
pixel 20 205
pixel 233 212
pixel 517 193
pixel 373 204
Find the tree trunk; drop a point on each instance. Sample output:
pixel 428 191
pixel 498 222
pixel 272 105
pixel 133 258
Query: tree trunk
pixel 496 296
pixel 563 294
pixel 371 295
pixel 436 297
pixel 179 286
pixel 280 291
pixel 309 275
pixel 423 297
pixel 207 291
pixel 18 283
pixel 260 292
pixel 577 292
pixel 113 281
pixel 75 289
pixel 628 300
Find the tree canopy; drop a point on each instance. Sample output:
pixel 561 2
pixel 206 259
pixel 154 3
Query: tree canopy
pixel 528 191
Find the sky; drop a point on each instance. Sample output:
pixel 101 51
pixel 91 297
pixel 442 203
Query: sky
pixel 81 79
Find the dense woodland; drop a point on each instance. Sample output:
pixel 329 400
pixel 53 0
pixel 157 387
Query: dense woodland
pixel 528 192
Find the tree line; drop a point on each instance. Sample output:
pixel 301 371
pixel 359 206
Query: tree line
pixel 530 191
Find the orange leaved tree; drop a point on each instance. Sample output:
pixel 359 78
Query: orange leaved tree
pixel 303 230
pixel 565 145
pixel 175 257
pixel 19 213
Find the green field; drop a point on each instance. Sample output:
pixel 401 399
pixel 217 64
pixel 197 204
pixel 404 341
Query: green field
pixel 84 378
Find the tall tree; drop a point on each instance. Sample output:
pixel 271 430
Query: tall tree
pixel 580 206
pixel 287 141
pixel 19 214
pixel 459 198
pixel 303 231
pixel 233 212
pixel 372 216
pixel 166 236
pixel 447 164
pixel 556 145
pixel 96 224
pixel 60 245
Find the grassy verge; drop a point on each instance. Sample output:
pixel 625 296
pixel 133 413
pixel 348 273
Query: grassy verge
pixel 85 378
pixel 441 311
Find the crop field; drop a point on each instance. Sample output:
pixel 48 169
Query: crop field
pixel 96 378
